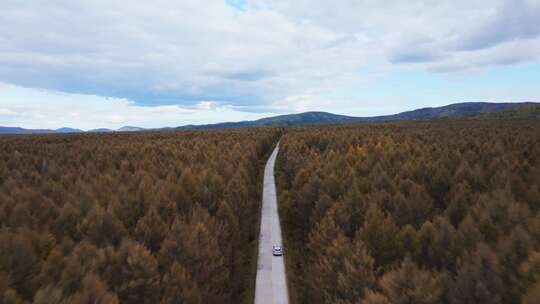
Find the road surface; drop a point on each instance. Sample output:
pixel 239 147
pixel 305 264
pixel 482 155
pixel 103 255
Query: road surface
pixel 271 284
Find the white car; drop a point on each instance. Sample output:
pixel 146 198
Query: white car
pixel 277 250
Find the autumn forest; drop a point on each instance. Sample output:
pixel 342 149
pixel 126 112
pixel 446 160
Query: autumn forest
pixel 372 213
pixel 424 212
pixel 130 218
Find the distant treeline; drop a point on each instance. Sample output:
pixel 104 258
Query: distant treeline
pixel 130 218
pixel 442 212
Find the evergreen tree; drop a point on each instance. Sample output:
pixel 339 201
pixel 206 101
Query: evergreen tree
pixel 532 295
pixel 150 230
pixel 193 245
pixel 380 235
pixel 478 279
pixel 179 287
pixel 93 291
pixel 409 284
pixel 132 273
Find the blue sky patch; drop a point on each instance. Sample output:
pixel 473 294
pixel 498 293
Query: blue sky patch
pixel 237 4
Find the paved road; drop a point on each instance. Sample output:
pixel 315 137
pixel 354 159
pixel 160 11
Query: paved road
pixel 271 285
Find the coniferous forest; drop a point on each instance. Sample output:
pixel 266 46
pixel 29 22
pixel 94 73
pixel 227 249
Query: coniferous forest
pixel 372 213
pixel 424 212
pixel 130 218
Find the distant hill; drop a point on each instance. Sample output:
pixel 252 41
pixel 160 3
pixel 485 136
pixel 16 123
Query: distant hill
pixel 100 130
pixel 68 130
pixel 525 112
pixel 457 110
pixel 130 129
pixel 16 130
pixel 281 120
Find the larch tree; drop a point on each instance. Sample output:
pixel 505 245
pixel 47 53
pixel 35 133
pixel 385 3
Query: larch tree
pixel 478 279
pixel 409 284
pixel 380 235
pixel 179 287
pixel 150 230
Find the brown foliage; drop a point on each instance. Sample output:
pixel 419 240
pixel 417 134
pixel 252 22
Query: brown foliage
pixel 460 198
pixel 126 218
pixel 409 284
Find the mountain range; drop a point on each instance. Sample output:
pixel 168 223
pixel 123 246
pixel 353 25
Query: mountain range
pixel 456 110
pixel 17 130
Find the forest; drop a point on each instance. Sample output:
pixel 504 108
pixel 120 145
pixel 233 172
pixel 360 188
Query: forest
pixel 153 217
pixel 412 212
pixel 426 212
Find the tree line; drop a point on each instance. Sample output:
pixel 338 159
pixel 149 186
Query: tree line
pixel 160 217
pixel 412 212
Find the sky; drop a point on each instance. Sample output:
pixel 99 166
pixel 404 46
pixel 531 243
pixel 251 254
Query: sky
pixel 100 63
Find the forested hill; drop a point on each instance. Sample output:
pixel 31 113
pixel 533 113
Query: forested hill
pixel 456 110
pixel 526 112
pixel 17 130
pixel 281 120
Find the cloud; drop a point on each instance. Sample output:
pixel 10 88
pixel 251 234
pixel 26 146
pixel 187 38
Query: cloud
pixel 514 19
pixel 207 105
pixel 7 112
pixel 414 56
pixel 56 110
pixel 250 55
pixel 299 103
pixel 435 33
pixel 164 52
pixel 116 119
pixel 248 75
pixel 509 53
pixel 416 49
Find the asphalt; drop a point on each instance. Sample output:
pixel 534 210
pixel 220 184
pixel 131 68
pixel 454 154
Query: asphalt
pixel 271 284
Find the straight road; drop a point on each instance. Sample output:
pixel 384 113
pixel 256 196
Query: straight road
pixel 271 284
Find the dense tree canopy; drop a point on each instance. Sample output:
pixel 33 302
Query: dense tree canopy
pixel 158 217
pixel 412 212
pixel 419 212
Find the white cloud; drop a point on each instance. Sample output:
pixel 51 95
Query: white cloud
pixel 7 112
pixel 207 105
pixel 88 112
pixel 512 52
pixel 303 103
pixel 158 52
pixel 165 50
pixel 434 33
pixel 116 119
